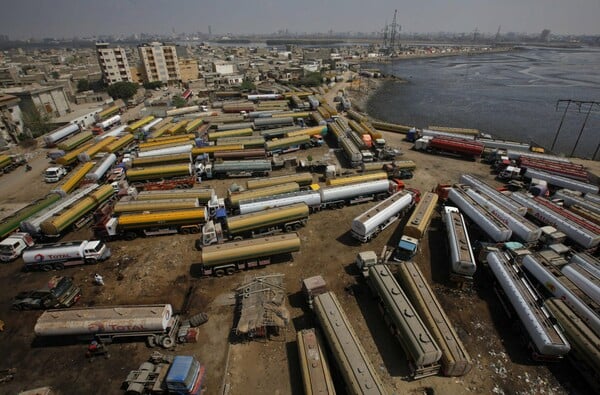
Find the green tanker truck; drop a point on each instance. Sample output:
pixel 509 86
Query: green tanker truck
pixel 53 227
pixel 11 223
pixel 260 223
pixel 221 259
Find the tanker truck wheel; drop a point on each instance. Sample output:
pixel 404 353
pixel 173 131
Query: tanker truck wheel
pixel 129 236
pixel 59 266
pixel 47 268
pixel 288 228
pixel 219 272
pixel 184 231
pixel 167 342
pixel 150 341
pixel 135 389
pixel 198 319
pixel 229 271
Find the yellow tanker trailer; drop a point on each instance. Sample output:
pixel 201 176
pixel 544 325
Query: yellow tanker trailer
pixel 128 226
pixel 133 206
pixel 303 179
pixel 159 172
pixel 53 227
pixel 259 223
pixel 221 259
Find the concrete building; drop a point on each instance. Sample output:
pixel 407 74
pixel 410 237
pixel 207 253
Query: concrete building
pixel 50 100
pixel 160 62
pixel 188 69
pixel 223 68
pixel 113 64
pixel 11 119
pixel 10 76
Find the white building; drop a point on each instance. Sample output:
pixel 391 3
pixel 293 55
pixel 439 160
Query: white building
pixel 223 68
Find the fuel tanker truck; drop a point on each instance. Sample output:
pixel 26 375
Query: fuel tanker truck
pixel 129 226
pixel 370 176
pixel 136 206
pixel 234 168
pixel 303 179
pixel 53 227
pixel 227 258
pixel 261 223
pixel 234 199
pixel 155 323
pixel 159 172
pixel 57 256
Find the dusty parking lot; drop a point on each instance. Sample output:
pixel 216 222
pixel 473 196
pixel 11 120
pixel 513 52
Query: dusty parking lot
pixel 157 270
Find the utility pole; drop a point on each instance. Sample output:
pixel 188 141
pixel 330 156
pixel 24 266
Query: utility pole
pixel 393 29
pixel 580 104
pixel 561 121
pixel 582 127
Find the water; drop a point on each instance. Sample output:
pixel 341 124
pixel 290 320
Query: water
pixel 510 95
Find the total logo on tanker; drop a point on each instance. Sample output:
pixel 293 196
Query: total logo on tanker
pixel 41 257
pixel 98 327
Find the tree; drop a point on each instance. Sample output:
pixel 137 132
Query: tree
pixel 55 75
pixel 123 90
pixel 83 85
pixel 247 85
pixel 178 101
pixel 153 84
pixel 310 79
pixel 38 123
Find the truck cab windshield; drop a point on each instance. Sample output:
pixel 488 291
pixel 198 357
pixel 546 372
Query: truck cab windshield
pixel 63 286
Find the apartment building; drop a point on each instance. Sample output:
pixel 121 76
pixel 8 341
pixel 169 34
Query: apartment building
pixel 113 64
pixel 160 62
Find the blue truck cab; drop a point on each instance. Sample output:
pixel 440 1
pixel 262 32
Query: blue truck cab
pixel 185 376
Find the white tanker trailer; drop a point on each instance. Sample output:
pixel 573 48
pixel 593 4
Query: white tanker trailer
pixel 52 138
pixel 585 281
pixel 156 323
pixel 101 168
pixel 493 227
pixel 179 149
pixel 521 227
pixel 32 224
pixel 573 226
pixel 492 193
pixel 559 290
pixel 311 198
pixel 571 197
pixel 354 193
pixel 592 197
pixel 370 223
pixel 548 339
pixel 563 182
pixel 588 262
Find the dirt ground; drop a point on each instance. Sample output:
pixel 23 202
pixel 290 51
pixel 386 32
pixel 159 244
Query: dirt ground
pixel 158 270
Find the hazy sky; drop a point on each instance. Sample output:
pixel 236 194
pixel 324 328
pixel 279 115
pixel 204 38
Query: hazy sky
pixel 67 18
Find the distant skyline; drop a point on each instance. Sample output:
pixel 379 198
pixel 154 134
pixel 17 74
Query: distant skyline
pixel 25 19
